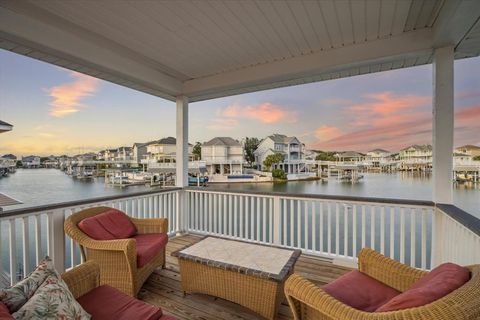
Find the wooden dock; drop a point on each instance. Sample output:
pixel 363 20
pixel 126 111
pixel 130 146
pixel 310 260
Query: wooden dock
pixel 163 288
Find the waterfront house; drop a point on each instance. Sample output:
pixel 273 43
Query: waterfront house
pixel 164 150
pixel 349 156
pixel 377 158
pixel 223 155
pixel 110 154
pixel 469 149
pixel 124 154
pixel 189 53
pixel 31 162
pixel 290 147
pixel 4 127
pixel 416 154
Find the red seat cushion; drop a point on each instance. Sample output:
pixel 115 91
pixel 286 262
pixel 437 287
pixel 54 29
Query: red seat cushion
pixel 360 291
pixel 4 313
pixel 109 225
pixel 148 246
pixel 438 283
pixel 107 303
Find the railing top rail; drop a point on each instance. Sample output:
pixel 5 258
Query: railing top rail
pixel 420 203
pixel 50 207
pixel 467 220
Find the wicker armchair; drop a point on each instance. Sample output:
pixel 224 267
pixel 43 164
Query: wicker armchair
pixel 117 258
pixel 308 301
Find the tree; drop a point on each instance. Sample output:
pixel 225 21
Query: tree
pixel 477 158
pixel 197 150
pixel 272 159
pixel 325 156
pixel 251 144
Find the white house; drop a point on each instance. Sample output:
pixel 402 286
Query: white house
pixel 416 154
pixel 378 156
pixel 163 150
pixel 31 162
pixel 223 155
pixel 124 154
pixel 292 149
pixel 469 149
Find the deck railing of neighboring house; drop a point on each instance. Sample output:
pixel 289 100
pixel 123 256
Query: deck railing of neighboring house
pixel 331 226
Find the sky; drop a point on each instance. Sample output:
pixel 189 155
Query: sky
pixel 57 111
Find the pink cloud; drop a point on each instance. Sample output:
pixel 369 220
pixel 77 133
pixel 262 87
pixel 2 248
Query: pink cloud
pixel 267 112
pixel 398 131
pixel 67 97
pixel 325 133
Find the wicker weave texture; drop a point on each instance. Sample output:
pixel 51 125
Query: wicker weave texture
pixel 83 278
pixel 117 258
pixel 308 301
pixel 262 296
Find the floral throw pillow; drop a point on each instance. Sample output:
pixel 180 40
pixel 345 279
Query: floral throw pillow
pixel 51 301
pixel 17 295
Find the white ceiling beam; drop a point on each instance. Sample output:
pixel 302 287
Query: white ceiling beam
pixel 40 31
pixel 455 20
pixel 411 44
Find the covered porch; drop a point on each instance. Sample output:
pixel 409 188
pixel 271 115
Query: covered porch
pixel 194 52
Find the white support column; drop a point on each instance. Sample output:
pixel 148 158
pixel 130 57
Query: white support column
pixel 182 162
pixel 443 114
pixel 182 142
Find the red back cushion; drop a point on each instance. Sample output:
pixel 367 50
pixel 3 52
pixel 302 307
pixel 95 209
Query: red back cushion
pixel 360 291
pixel 4 313
pixel 438 283
pixel 109 225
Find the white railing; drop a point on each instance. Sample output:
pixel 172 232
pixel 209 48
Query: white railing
pixel 454 241
pixel 413 232
pixel 26 238
pixel 329 226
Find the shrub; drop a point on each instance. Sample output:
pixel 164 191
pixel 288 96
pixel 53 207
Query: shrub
pixel 279 174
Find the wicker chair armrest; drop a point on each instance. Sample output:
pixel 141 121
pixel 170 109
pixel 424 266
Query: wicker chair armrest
pixel 151 225
pixel 299 290
pixel 388 271
pixel 129 246
pixel 82 278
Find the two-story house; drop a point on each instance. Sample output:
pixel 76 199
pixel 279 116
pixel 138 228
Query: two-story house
pixel 223 155
pixel 416 154
pixel 290 147
pixel 163 150
pixel 124 154
pixel 31 162
pixel 469 149
pixel 377 157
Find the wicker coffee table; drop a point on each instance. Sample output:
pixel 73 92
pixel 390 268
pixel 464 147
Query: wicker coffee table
pixel 251 275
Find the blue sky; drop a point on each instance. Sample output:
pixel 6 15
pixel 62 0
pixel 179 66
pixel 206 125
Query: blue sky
pixel 54 110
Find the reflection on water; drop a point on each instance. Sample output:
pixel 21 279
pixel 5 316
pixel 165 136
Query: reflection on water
pixel 45 186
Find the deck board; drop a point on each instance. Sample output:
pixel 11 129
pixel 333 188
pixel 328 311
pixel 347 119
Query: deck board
pixel 163 288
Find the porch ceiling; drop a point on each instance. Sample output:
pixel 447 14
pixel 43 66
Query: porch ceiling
pixel 207 49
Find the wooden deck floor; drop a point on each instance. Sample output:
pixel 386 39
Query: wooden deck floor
pixel 163 288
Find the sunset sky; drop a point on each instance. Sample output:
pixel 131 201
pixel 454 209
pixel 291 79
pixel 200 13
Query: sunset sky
pixel 57 111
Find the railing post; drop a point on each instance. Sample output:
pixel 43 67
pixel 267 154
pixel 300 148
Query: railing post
pixel 56 239
pixel 181 215
pixel 276 221
pixel 437 238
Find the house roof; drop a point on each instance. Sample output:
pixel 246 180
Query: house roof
pixel 425 147
pixel 223 141
pixel 231 47
pixel 281 138
pixel 379 150
pixel 469 147
pixel 9 156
